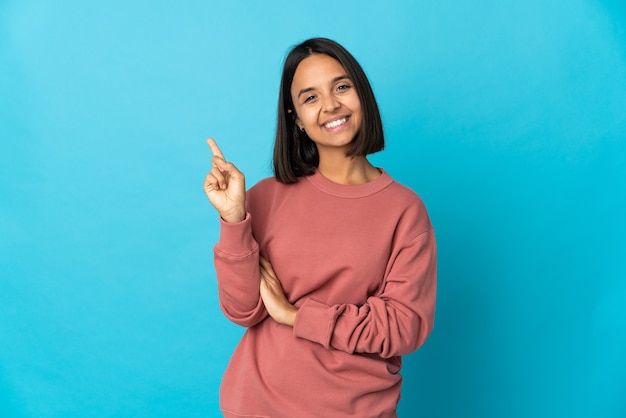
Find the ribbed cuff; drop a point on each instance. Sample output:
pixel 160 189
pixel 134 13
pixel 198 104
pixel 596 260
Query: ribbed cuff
pixel 315 322
pixel 236 238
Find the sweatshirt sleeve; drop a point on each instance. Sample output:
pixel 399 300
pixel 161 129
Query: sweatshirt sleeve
pixel 236 258
pixel 395 321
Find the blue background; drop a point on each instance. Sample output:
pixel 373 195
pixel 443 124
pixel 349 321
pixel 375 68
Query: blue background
pixel 507 117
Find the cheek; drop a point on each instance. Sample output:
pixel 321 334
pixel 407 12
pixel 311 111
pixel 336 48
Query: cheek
pixel 308 116
pixel 355 103
pixel 356 111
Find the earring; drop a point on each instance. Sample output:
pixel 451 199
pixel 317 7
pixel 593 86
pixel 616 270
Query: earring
pixel 301 129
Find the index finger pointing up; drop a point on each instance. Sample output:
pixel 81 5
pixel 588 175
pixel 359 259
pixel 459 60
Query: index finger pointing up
pixel 215 149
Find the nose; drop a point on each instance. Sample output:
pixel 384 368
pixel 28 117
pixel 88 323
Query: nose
pixel 330 103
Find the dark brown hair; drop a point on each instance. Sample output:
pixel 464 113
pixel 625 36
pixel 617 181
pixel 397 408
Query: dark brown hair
pixel 295 155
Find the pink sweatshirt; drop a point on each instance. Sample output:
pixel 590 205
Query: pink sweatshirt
pixel 360 264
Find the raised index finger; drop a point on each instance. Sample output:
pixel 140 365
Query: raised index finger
pixel 215 149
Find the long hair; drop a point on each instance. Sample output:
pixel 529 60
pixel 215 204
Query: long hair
pixel 295 154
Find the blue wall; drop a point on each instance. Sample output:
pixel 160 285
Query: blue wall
pixel 508 118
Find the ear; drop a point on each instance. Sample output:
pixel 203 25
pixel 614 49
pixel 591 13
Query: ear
pixel 295 118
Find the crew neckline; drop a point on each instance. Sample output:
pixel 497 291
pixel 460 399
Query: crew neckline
pixel 350 191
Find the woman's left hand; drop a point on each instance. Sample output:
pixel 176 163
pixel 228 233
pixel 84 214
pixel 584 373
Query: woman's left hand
pixel 274 297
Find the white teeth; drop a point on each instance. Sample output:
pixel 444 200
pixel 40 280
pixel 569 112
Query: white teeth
pixel 335 123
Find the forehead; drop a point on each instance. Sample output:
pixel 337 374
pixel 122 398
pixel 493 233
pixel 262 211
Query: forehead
pixel 315 71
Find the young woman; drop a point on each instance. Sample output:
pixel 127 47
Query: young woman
pixel 330 264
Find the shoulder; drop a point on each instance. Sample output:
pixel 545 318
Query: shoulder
pixel 405 193
pixel 271 184
pixel 400 193
pixel 269 189
pixel 267 183
pixel 412 209
pixel 263 187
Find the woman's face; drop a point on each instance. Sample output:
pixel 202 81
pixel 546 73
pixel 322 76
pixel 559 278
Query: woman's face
pixel 326 103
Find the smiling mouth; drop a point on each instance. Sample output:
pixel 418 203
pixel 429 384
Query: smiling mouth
pixel 335 123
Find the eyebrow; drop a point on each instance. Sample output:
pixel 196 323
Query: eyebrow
pixel 334 80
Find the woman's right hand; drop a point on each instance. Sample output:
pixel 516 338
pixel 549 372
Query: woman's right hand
pixel 225 186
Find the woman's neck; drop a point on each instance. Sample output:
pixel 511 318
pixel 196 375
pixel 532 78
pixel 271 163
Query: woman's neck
pixel 347 170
